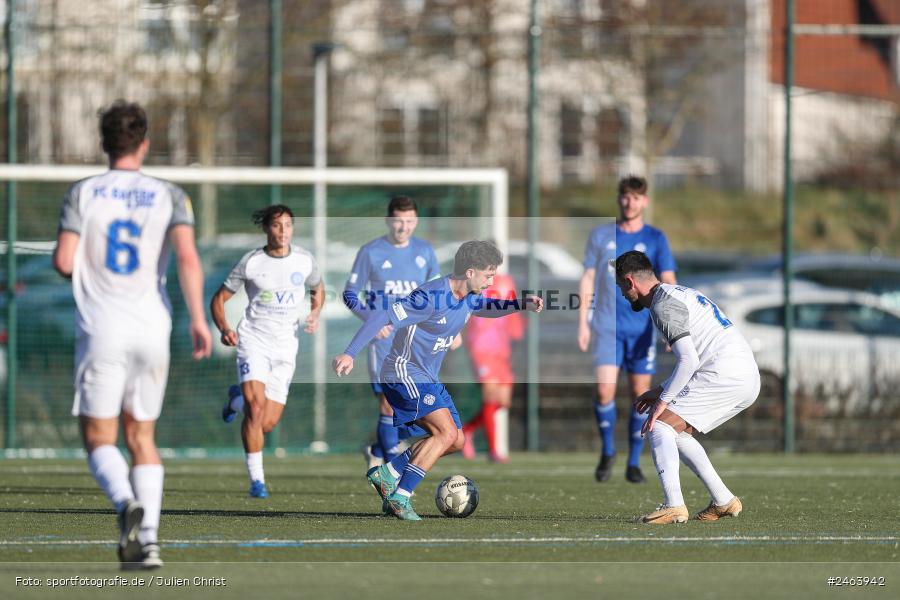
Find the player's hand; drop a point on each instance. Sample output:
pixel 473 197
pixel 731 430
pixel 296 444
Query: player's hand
pixel 534 303
pixel 229 337
pixel 584 337
pixel 645 401
pixel 658 408
pixel 342 364
pixel 384 332
pixel 457 341
pixel 201 339
pixel 312 323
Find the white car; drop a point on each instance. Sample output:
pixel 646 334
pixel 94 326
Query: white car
pixel 845 345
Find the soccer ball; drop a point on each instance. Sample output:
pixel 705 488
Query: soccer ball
pixel 456 496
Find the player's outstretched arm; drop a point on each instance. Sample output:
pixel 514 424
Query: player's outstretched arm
pixel 190 275
pixel 342 364
pixel 494 308
pixel 229 337
pixel 534 303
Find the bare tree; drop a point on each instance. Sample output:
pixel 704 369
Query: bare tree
pixel 673 48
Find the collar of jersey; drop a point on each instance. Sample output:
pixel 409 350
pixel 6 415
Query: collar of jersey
pixel 266 252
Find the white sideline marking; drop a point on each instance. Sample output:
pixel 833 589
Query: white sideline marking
pixel 886 471
pixel 531 540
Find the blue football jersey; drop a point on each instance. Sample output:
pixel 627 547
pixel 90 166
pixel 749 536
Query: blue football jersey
pixel 385 273
pixel 608 242
pixel 427 321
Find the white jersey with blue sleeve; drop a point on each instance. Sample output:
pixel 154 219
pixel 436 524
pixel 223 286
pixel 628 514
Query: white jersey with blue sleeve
pixel 723 378
pixel 276 287
pixel 123 218
pixel 678 311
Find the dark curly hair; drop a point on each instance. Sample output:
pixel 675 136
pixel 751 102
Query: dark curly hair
pixel 476 255
pixel 123 126
pixel 264 216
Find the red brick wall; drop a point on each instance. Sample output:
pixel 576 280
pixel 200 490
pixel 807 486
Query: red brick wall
pixel 842 64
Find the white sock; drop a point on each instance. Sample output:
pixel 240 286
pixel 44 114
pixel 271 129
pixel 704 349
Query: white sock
pixel 501 431
pixel 255 466
pixel 237 403
pixel 393 471
pixel 109 468
pixel 694 456
pixel 664 451
pixel 147 481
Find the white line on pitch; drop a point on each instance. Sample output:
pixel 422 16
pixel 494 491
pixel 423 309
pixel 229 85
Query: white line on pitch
pixel 543 471
pixel 531 540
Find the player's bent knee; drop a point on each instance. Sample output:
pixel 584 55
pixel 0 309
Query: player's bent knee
pixel 459 442
pixel 449 439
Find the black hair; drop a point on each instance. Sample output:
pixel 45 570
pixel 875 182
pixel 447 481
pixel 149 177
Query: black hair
pixel 123 127
pixel 264 216
pixel 633 184
pixel 476 255
pixel 401 204
pixel 633 263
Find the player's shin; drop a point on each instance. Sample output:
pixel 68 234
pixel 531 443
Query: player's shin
pixel 412 476
pixel 255 466
pixel 606 426
pixel 635 439
pixel 110 470
pixel 664 451
pixel 695 457
pixel 147 481
pixel 387 436
pixel 397 465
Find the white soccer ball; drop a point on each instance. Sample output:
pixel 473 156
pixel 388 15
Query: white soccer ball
pixel 456 496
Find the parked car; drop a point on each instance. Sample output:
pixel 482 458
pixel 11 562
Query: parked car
pixel 844 345
pixel 692 263
pixel 875 274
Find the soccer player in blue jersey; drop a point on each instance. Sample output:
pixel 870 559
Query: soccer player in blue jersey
pixel 385 270
pixel 621 337
pixel 427 322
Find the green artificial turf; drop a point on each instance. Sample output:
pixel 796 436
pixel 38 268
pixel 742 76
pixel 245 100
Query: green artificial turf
pixel 544 528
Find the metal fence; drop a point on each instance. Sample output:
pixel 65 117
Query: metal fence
pixel 690 93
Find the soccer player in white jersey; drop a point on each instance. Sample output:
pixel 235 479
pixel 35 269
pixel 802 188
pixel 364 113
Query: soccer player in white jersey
pixel 715 378
pixel 276 277
pixel 115 231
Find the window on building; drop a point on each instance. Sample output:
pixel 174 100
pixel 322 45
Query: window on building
pixel 610 133
pixel 570 131
pixel 392 132
pixel 432 132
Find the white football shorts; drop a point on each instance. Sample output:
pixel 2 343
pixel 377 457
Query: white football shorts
pixel 115 373
pixel 269 363
pixel 718 392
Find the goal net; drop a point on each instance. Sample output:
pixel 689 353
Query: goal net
pixel 336 211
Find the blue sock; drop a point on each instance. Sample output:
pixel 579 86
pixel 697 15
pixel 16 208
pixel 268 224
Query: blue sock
pixel 398 464
pixel 376 450
pixel 635 439
pixel 412 475
pixel 387 435
pixel 606 425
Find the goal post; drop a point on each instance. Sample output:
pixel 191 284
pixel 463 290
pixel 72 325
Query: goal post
pixel 243 189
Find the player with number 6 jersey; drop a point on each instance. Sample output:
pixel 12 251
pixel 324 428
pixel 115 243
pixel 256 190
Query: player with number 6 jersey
pixel 115 231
